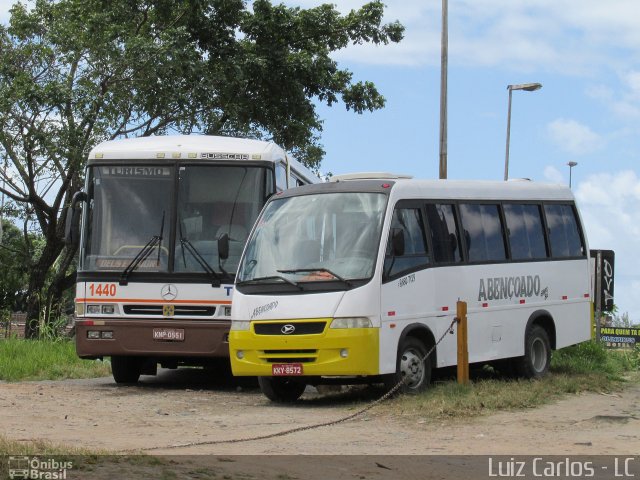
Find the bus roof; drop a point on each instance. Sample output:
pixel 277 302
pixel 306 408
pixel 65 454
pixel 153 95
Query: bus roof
pixel 481 190
pixel 447 189
pixel 151 147
pixel 194 147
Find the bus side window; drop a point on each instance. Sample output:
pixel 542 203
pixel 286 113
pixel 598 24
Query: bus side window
pixel 281 177
pixel 525 231
pixel 445 238
pixel 564 235
pixel 415 255
pixel 295 181
pixel 482 225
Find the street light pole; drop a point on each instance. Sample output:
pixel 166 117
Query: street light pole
pixel 444 54
pixel 571 165
pixel 527 87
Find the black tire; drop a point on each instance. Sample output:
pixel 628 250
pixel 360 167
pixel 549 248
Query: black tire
pixel 537 353
pixel 411 362
pixel 282 389
pixel 126 369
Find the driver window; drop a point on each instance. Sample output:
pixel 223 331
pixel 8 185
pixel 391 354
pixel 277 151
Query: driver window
pixel 415 256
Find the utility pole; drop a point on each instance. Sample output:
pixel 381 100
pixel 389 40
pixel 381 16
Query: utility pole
pixel 443 90
pixel 4 183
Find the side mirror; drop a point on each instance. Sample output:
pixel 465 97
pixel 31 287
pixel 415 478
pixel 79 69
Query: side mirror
pixel 397 242
pixel 72 223
pixel 223 246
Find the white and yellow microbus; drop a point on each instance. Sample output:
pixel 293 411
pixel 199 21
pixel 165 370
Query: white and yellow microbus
pixel 354 280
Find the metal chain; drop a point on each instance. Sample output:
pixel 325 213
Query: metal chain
pixel 346 418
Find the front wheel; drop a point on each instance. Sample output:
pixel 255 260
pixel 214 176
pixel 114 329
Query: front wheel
pixel 412 366
pixel 281 389
pixel 537 353
pixel 126 369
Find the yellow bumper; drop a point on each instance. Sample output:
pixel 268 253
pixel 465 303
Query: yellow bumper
pixel 320 354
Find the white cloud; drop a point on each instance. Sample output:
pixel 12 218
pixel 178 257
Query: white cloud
pixel 603 93
pixel 555 35
pixel 5 5
pixel 573 137
pixel 632 80
pixel 628 103
pixel 610 208
pixel 625 101
pixel 553 175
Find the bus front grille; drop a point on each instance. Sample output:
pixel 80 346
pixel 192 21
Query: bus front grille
pixel 299 328
pixel 290 356
pixel 178 310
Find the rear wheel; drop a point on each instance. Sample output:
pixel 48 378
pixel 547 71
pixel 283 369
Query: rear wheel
pixel 281 389
pixel 412 366
pixel 126 369
pixel 537 353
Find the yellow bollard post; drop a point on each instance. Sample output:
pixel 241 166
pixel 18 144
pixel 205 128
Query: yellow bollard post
pixel 463 343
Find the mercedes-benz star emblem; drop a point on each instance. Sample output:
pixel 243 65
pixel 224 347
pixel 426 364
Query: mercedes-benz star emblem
pixel 288 329
pixel 169 292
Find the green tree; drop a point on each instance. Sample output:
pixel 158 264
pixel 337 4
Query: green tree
pixel 76 72
pixel 13 276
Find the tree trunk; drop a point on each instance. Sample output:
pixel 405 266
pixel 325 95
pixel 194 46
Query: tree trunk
pixel 37 281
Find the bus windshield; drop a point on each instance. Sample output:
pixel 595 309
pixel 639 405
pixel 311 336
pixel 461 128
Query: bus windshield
pixel 132 208
pixel 330 237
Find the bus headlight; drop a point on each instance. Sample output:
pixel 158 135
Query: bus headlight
pixel 240 325
pixel 93 309
pixel 351 322
pixel 108 309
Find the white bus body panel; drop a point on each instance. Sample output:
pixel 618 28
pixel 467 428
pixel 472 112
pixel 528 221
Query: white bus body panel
pixel 496 325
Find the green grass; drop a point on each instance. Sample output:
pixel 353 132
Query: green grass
pixel 40 447
pixel 587 367
pixel 45 360
pixel 591 357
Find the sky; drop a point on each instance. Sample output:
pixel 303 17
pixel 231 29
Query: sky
pixel 585 53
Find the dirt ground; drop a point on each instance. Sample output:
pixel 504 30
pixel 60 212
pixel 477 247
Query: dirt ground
pixel 177 412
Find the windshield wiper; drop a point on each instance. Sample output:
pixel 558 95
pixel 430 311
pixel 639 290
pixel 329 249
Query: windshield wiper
pixel 186 244
pixel 312 270
pixel 271 277
pixel 143 254
pixel 215 276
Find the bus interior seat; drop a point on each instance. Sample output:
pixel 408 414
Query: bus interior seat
pixel 307 252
